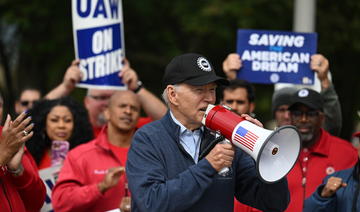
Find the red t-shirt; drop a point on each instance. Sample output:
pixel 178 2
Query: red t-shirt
pixel 120 153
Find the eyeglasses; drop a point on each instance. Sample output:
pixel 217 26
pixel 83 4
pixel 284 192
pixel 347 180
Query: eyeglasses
pixel 100 98
pixel 26 103
pixel 310 114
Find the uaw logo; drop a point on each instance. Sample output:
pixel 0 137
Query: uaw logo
pixel 330 170
pixel 203 64
pixel 303 93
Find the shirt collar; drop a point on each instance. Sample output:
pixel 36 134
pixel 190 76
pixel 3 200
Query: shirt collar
pixel 322 145
pixel 182 127
pixel 102 139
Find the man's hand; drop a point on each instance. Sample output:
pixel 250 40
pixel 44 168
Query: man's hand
pixel 332 185
pixel 111 178
pixel 129 76
pixel 72 75
pixel 231 64
pixel 125 205
pixel 14 135
pixel 221 156
pixel 321 66
pixel 252 120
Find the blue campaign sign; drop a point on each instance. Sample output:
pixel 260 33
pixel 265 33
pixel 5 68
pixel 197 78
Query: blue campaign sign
pixel 86 47
pixel 99 42
pixel 276 56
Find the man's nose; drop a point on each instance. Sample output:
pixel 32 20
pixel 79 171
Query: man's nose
pixel 303 117
pixel 128 109
pixel 233 105
pixel 287 114
pixel 209 97
pixel 106 102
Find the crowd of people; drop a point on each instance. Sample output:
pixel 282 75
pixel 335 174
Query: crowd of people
pixel 113 158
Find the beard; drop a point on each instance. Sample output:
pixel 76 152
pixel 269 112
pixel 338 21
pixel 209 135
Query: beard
pixel 307 139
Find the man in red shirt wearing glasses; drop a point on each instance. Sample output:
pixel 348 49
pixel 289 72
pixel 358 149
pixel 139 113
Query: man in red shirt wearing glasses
pixel 321 154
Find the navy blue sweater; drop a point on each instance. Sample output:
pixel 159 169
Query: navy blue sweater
pixel 163 177
pixel 346 199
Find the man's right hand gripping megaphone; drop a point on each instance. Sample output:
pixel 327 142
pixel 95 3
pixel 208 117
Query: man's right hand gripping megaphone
pixel 275 152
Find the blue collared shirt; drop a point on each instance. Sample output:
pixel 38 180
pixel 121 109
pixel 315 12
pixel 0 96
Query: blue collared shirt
pixel 190 140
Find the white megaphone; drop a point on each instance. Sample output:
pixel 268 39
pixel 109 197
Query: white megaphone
pixel 275 152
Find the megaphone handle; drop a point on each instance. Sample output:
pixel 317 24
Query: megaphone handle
pixel 224 171
pixel 211 146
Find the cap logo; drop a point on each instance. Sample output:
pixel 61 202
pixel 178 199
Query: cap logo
pixel 203 64
pixel 303 93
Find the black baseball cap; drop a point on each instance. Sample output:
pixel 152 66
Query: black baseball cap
pixel 282 97
pixel 307 97
pixel 192 69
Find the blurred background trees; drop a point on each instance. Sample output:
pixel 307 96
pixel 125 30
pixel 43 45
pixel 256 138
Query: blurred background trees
pixel 36 41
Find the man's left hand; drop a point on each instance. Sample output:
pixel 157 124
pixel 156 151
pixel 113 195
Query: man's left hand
pixel 252 120
pixel 129 76
pixel 321 66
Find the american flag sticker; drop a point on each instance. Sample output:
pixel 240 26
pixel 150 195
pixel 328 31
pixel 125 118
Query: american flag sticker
pixel 245 138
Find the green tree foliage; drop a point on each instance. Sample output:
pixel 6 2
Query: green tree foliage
pixel 155 31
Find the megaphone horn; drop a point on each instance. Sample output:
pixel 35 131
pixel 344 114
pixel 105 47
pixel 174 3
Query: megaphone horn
pixel 275 152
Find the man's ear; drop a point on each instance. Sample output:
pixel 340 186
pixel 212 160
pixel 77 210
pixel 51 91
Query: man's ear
pixel 172 94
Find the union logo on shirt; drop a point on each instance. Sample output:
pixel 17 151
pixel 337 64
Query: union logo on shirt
pixel 330 170
pixel 97 171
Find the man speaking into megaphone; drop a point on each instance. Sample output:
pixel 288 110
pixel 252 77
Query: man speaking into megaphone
pixel 167 169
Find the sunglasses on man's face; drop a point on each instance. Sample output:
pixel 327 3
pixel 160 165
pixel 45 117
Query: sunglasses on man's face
pixel 310 114
pixel 27 103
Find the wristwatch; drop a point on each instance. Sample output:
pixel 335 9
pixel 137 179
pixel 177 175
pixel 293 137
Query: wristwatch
pixel 140 85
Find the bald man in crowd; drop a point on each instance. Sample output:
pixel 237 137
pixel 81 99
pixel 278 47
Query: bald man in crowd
pixel 93 178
